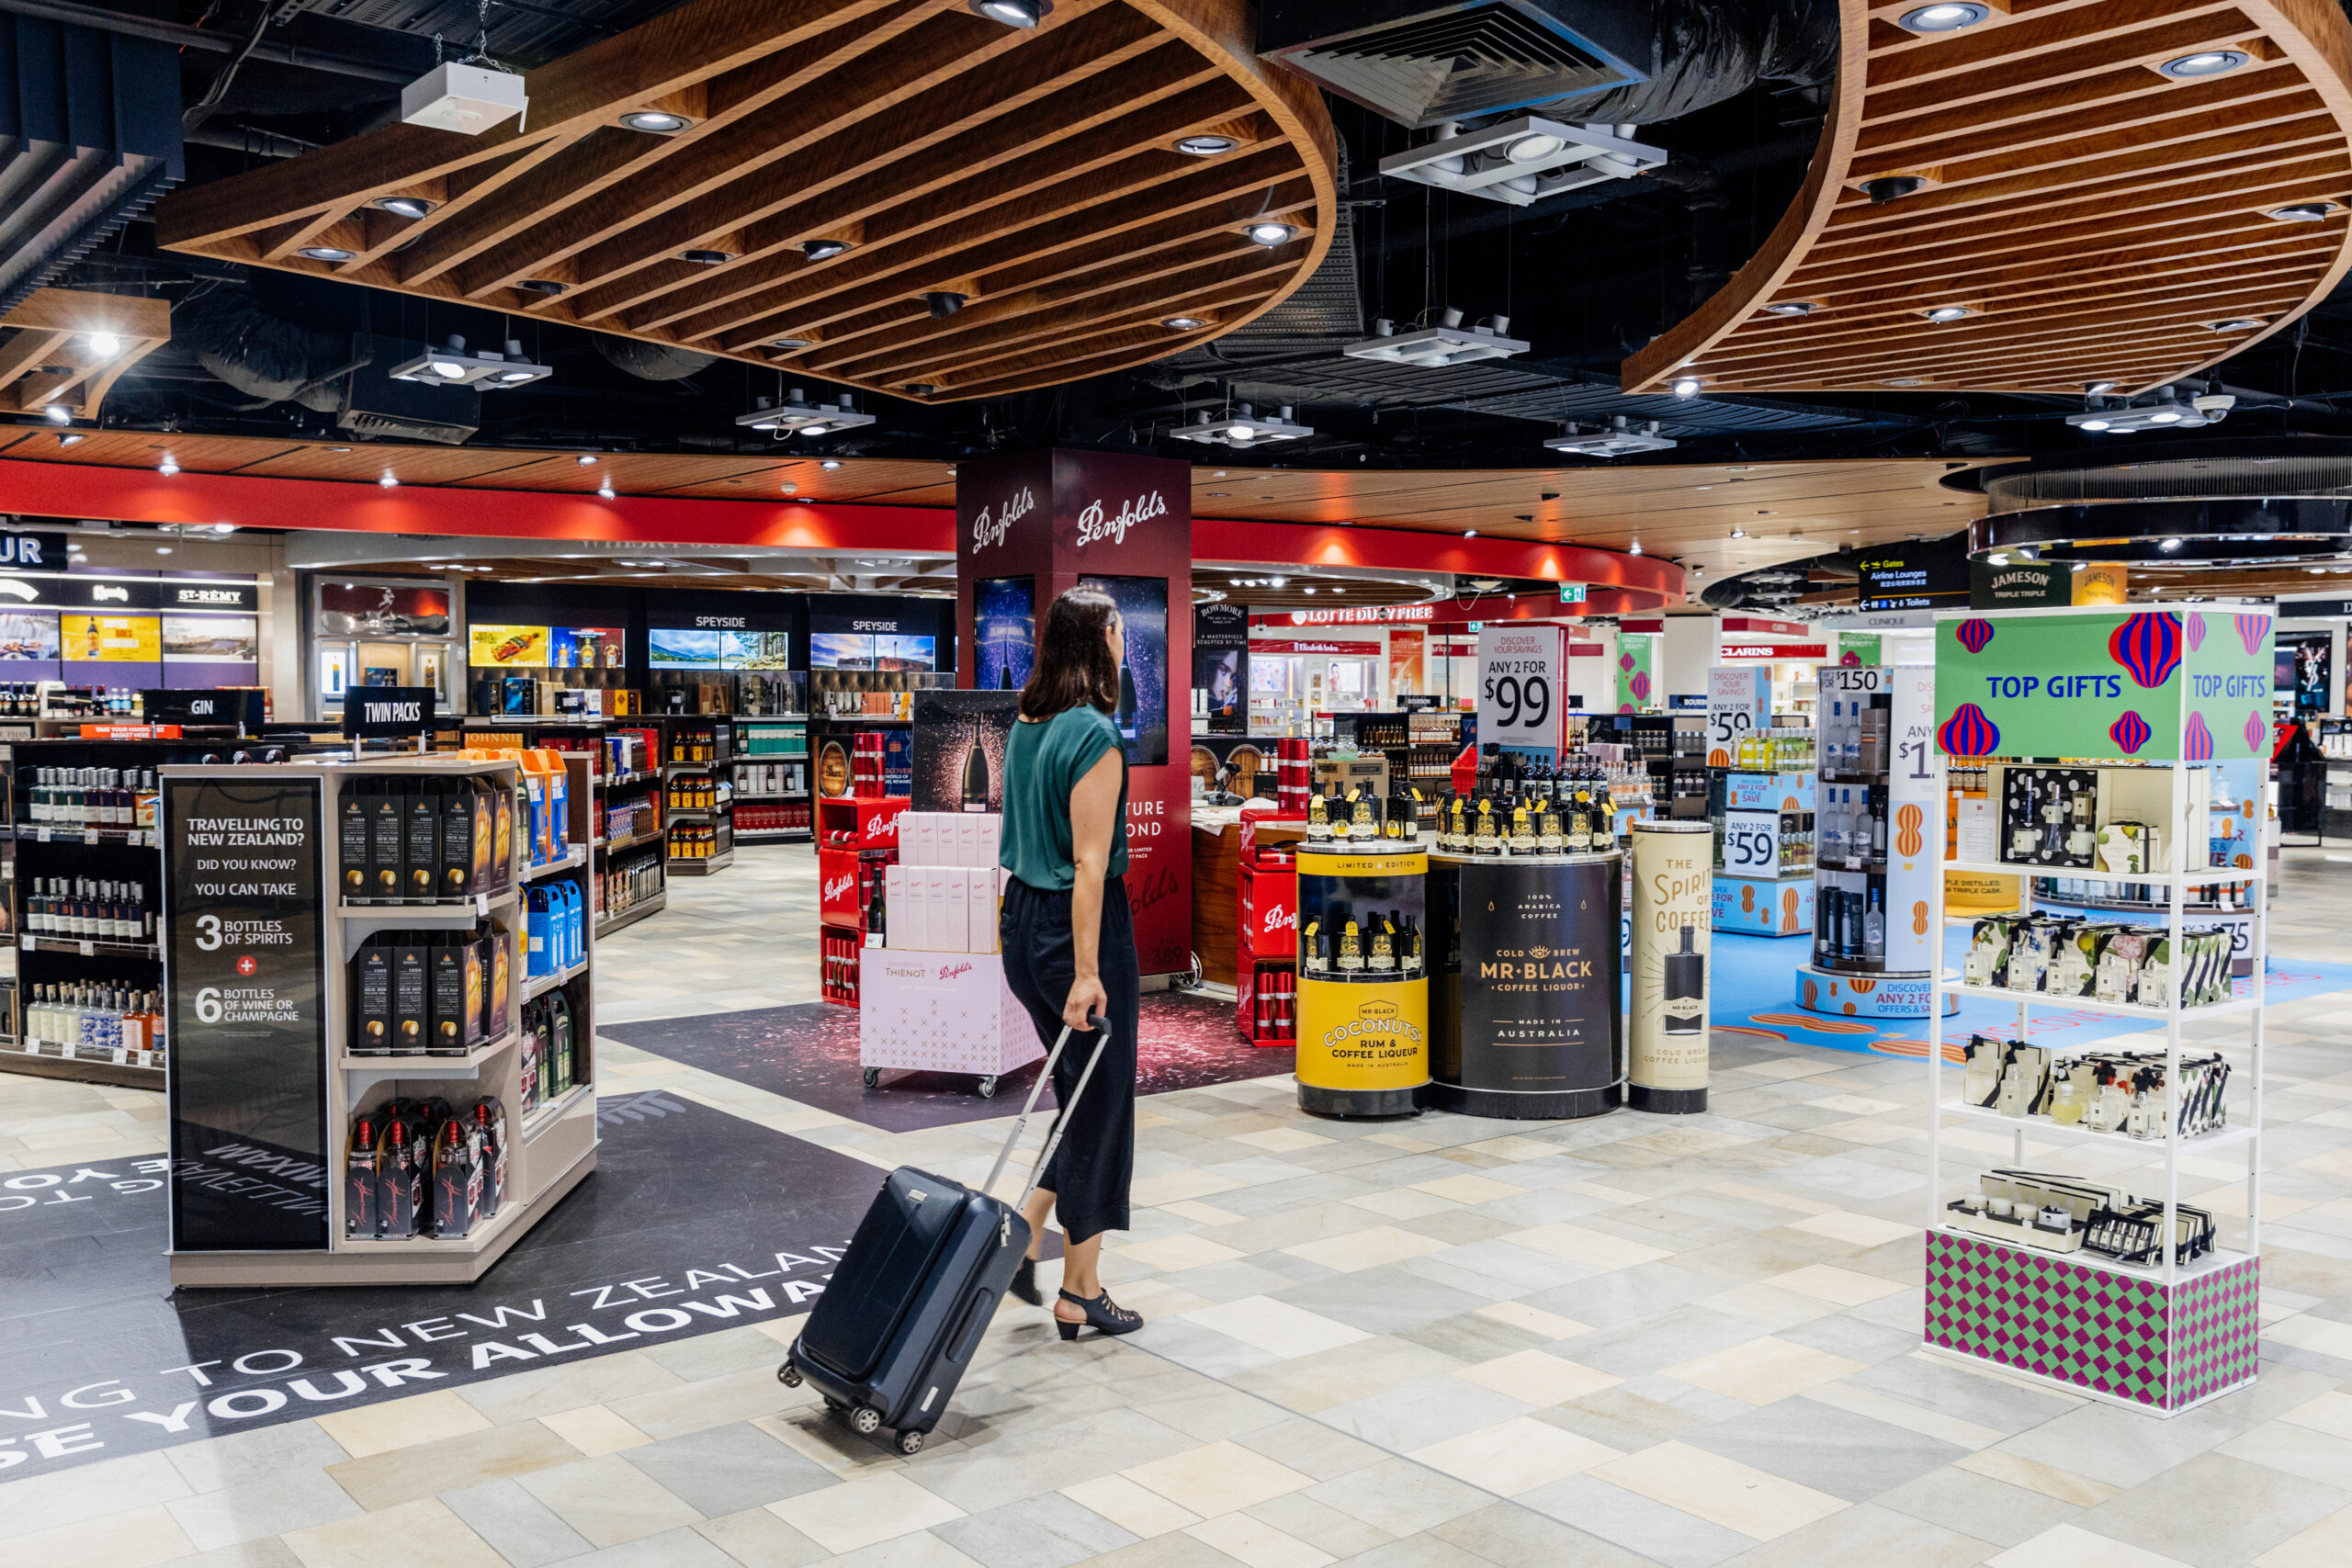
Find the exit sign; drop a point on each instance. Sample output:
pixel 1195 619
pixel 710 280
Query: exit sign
pixel 1572 593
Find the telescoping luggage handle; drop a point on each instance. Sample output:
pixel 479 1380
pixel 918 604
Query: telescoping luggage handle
pixel 1102 1028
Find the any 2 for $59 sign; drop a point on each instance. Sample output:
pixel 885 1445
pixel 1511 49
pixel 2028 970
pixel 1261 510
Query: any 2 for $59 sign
pixel 1522 684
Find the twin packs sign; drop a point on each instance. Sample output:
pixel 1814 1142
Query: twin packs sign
pixel 2152 685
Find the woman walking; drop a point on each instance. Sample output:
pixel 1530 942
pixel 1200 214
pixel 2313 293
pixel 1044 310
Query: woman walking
pixel 1068 940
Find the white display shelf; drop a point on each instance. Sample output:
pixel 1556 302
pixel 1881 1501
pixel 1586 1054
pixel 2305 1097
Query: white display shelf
pixel 2058 1132
pixel 572 857
pixel 2207 878
pixel 366 1072
pixel 2236 1004
pixel 536 986
pixel 440 915
pixel 2221 1257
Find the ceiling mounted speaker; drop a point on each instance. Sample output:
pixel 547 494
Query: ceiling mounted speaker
pixel 1421 64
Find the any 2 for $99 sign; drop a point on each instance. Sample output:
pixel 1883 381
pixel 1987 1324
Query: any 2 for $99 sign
pixel 1522 684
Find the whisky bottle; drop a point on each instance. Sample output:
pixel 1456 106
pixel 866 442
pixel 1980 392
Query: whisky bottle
pixel 1683 1004
pixel 1350 949
pixel 975 779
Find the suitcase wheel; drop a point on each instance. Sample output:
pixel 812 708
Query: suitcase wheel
pixel 866 1420
pixel 910 1443
pixel 873 1076
pixel 788 1375
pixel 834 1406
pixel 987 1091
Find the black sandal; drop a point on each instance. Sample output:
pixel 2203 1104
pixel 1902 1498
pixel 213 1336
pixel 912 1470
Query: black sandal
pixel 1025 1283
pixel 1104 1313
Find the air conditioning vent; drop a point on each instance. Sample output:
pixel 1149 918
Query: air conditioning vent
pixel 1420 65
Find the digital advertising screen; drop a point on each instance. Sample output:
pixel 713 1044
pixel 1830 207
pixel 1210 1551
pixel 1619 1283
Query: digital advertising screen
pixel 1142 711
pixel 1004 624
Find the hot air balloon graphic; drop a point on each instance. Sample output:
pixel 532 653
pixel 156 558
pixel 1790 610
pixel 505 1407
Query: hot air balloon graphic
pixel 2196 630
pixel 1642 684
pixel 2197 746
pixel 1968 733
pixel 1861 988
pixel 1909 839
pixel 1974 635
pixel 1624 662
pixel 2252 631
pixel 2256 728
pixel 1919 918
pixel 2148 646
pixel 2130 733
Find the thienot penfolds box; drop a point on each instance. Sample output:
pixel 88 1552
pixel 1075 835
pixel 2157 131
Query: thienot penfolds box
pixel 947 1012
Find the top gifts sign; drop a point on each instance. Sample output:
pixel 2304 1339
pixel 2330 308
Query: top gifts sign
pixel 2187 685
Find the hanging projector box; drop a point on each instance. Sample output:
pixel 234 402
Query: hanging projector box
pixel 959 739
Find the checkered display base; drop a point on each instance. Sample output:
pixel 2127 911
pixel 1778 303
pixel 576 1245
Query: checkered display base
pixel 2110 1333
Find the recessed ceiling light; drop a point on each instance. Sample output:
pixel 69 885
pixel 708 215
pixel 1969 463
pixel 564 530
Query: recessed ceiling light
pixel 1309 589
pixel 790 343
pixel 105 345
pixel 388 482
pixel 1739 533
pixel 1182 323
pixel 58 413
pixel 2093 389
pixel 1790 307
pixel 335 448
pixel 822 250
pixel 830 464
pixel 1634 548
pixel 323 253
pixel 606 490
pixel 1686 386
pixel 546 285
pixel 2204 62
pixel 585 459
pixel 2168 544
pixel 660 122
pixel 2092 424
pixel 2304 211
pixel 168 466
pixel 1947 312
pixel 2236 324
pixel 1269 233
pixel 162 549
pixel 404 206
pixel 1947 18
pixel 706 258
pixel 1469 533
pixel 1013 12
pixel 1205 146
pixel 71 438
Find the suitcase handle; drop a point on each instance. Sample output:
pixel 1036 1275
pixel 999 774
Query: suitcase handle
pixel 1100 1026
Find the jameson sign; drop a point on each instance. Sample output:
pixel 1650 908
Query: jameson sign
pixel 2156 685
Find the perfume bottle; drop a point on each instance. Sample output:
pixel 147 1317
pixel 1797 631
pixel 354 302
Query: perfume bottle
pixel 2072 1095
pixel 1683 1004
pixel 1350 949
pixel 975 779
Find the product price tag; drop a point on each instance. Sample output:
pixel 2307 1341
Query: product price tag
pixel 122 1057
pixel 42 832
pixel 1752 843
pixel 89 950
pixel 1739 699
pixel 26 942
pixel 481 903
pixel 1522 685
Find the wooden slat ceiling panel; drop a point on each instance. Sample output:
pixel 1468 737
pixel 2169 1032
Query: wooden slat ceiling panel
pixel 2100 219
pixel 48 355
pixel 1030 171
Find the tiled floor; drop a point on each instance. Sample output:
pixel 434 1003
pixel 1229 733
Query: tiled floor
pixel 1440 1342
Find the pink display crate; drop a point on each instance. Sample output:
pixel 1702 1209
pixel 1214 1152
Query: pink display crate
pixel 942 1012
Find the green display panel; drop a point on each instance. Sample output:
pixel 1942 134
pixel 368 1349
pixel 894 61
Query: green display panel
pixel 2154 685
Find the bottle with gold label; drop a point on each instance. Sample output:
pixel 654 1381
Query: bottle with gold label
pixel 1579 835
pixel 1315 948
pixel 1319 819
pixel 1454 827
pixel 1523 830
pixel 1549 838
pixel 1350 949
pixel 1384 945
pixel 1408 942
pixel 1338 814
pixel 1363 825
pixel 1483 838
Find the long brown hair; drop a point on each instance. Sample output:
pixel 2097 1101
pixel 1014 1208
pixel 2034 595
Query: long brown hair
pixel 1074 662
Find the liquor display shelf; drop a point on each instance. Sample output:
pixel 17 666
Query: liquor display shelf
pixel 2093 1004
pixel 2213 877
pixel 630 916
pixel 759 835
pixel 702 767
pixel 701 865
pixel 697 813
pixel 81 1069
pixel 609 783
pixel 614 846
pixel 54 833
pixel 551 1144
pixel 2058 1132
pixel 741 795
pixel 88 947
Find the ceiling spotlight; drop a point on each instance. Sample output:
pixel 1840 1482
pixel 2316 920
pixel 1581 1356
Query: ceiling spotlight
pixel 404 206
pixel 1523 159
pixel 1892 187
pixel 224 527
pixel 1739 533
pixel 2168 412
pixel 1686 386
pixel 1469 533
pixel 1269 233
pixel 795 414
pixel 1620 439
pixel 2168 544
pixel 791 344
pixel 1013 13
pixel 2093 424
pixel 1205 146
pixel 1942 18
pixel 388 482
pixel 1997 558
pixel 488 369
pixel 1534 147
pixel 1182 323
pixel 1243 427
pixel 162 549
pixel 546 285
pixel 606 490
pixel 1435 348
pixel 822 250
pixel 944 302
pixel 830 464
pixel 2204 62
pixel 706 258
pixel 323 254
pixel 2235 324
pixel 105 345
pixel 1309 589
pixel 2304 211
pixel 335 448
pixel 168 466
pixel 1790 307
pixel 1947 312
pixel 660 122
pixel 71 438
pixel 585 459
pixel 1634 548
pixel 2093 388
pixel 58 413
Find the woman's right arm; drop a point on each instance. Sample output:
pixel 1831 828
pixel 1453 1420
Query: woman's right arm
pixel 1093 813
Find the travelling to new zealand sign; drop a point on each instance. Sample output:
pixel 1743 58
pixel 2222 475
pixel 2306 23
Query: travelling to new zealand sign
pixel 2151 686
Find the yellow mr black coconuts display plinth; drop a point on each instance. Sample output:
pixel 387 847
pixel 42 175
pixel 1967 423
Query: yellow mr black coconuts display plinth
pixel 1362 981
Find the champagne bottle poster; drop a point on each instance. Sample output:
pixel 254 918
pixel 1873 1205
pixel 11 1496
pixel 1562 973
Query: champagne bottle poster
pixel 960 741
pixel 1667 1022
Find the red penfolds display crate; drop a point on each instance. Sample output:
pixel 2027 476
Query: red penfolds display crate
pixel 859 821
pixel 1266 928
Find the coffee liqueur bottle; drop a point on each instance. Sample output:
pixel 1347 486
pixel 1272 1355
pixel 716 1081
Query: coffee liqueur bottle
pixel 1363 827
pixel 975 779
pixel 1483 839
pixel 1453 828
pixel 1384 945
pixel 1350 949
pixel 1579 836
pixel 1409 944
pixel 1684 1002
pixel 1522 831
pixel 1549 838
pixel 1339 813
pixel 1315 950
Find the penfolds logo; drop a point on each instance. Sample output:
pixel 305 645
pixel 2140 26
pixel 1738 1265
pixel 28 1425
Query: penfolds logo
pixel 986 531
pixel 881 827
pixel 952 970
pixel 838 887
pixel 1094 522
pixel 1281 920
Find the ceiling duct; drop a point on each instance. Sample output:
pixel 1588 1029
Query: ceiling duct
pixel 381 408
pixel 1621 61
pixel 262 354
pixel 89 137
pixel 653 361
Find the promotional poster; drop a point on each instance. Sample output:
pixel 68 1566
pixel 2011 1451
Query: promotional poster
pixel 1142 711
pixel 1004 634
pixel 1221 665
pixel 959 749
pixel 1666 1021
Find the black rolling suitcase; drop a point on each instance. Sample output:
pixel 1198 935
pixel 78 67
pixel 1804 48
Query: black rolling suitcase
pixel 892 1335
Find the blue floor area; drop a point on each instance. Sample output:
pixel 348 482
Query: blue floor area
pixel 1755 994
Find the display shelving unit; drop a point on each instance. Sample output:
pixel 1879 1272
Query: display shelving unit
pixel 608 789
pixel 552 1147
pixel 2161 1337
pixel 774 749
pixel 718 767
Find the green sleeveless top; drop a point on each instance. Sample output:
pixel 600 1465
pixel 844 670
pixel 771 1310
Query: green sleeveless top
pixel 1042 763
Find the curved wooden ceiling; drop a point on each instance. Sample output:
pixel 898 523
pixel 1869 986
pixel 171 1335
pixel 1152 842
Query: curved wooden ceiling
pixel 1032 171
pixel 2098 217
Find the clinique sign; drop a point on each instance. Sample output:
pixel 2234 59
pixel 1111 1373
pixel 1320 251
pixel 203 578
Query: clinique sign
pixel 1096 523
pixel 986 531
